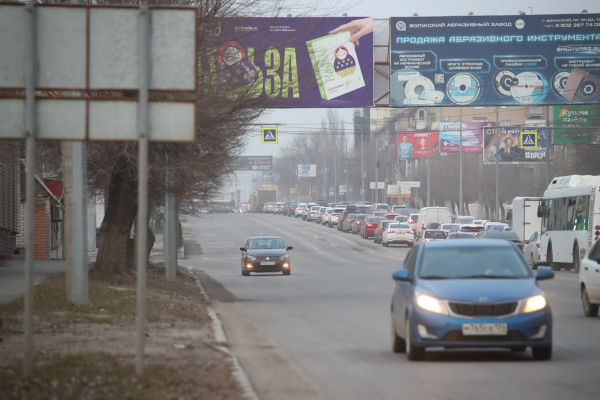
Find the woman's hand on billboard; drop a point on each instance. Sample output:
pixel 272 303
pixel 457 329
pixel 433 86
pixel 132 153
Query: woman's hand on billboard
pixel 357 28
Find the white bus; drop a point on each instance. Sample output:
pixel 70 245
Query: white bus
pixel 570 214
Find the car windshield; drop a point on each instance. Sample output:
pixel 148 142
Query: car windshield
pixel 267 243
pixel 449 226
pixel 399 226
pixel 508 235
pixel 485 262
pixel 461 235
pixel 434 235
pixel 360 217
pixel 496 227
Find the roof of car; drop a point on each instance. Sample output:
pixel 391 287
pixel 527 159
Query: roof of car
pixel 265 237
pixel 468 243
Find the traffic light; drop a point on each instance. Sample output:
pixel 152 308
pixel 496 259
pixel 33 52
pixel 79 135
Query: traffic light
pixel 310 193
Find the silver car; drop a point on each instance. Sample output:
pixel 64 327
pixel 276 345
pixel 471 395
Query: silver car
pixel 531 250
pixel 335 216
pixel 312 214
pixel 300 210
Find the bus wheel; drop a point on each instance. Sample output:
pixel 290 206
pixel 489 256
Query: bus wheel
pixel 550 259
pixel 576 259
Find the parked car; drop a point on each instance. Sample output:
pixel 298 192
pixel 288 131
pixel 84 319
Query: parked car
pixel 469 293
pixel 335 216
pixel 290 209
pixel 306 212
pixel 398 233
pixel 347 227
pixel 531 249
pixel 326 215
pixel 300 210
pixel 589 280
pixel 357 222
pixel 320 215
pixel 368 226
pixel 343 216
pixel 265 254
pixel 506 235
pixel 270 207
pixel 379 229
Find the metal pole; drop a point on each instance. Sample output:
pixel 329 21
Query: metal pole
pixel 169 229
pixel 460 180
pixel 376 169
pixel 428 169
pixel 142 217
pixel 497 167
pixel 30 133
pixel 549 133
pixel 335 188
pixel 362 161
pixel 346 150
pixel 79 263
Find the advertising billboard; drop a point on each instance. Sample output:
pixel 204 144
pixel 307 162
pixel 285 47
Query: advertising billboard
pixel 516 145
pixel 576 117
pixel 495 60
pixel 296 62
pixel 410 145
pixel 252 163
pixel 472 137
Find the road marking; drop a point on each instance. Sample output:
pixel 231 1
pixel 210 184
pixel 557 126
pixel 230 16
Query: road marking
pixel 314 247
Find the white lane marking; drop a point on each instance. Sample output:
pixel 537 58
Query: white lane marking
pixel 314 247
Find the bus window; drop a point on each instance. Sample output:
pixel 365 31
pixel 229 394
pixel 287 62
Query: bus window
pixel 580 223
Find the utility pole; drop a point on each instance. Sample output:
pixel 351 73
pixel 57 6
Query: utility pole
pixel 497 166
pixel 460 183
pixel 376 168
pixel 428 162
pixel 549 133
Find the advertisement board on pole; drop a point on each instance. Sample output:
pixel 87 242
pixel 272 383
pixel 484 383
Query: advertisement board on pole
pixel 518 145
pixel 295 62
pixel 576 117
pixel 414 144
pixel 472 137
pixel 495 60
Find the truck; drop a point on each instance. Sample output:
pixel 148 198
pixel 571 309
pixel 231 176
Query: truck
pixel 432 214
pixel 522 216
pixel 263 197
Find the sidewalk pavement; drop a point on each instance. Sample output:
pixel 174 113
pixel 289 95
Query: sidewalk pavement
pixel 12 276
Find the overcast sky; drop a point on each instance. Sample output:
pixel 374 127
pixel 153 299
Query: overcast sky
pixel 306 119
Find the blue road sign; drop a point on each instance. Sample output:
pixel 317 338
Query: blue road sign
pixel 276 179
pixel 271 173
pixel 325 169
pixel 254 179
pixel 295 172
pixel 269 135
pixel 239 191
pixel 305 167
pixel 232 193
pixel 331 189
pixel 363 192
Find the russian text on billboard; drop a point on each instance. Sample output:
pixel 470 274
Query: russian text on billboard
pixel 515 145
pixel 495 60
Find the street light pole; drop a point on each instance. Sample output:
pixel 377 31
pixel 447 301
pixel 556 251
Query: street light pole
pixel 497 167
pixel 376 169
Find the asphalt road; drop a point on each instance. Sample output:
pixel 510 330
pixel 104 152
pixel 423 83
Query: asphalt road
pixel 331 319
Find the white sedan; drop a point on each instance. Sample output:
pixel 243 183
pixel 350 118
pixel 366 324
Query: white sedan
pixel 589 281
pixel 398 232
pixel 531 251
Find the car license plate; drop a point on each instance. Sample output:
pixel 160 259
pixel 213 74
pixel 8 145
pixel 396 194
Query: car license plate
pixel 485 329
pixel 267 263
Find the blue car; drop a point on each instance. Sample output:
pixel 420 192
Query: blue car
pixel 469 293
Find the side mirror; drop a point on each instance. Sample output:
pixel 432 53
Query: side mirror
pixel 242 248
pixel 540 211
pixel 526 241
pixel 401 275
pixel 289 248
pixel 544 273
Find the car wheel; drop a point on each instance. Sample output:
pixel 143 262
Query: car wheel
pixel 412 353
pixel 246 273
pixel 398 344
pixel 589 309
pixel 542 353
pixel 550 260
pixel 287 272
pixel 576 259
pixel 384 244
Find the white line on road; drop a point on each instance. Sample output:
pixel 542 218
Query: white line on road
pixel 314 247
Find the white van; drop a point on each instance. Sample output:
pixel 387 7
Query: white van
pixel 432 214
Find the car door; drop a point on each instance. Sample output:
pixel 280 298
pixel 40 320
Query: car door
pixel 590 272
pixel 528 249
pixel 403 291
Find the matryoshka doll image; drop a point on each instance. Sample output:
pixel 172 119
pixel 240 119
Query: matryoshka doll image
pixel 233 69
pixel 344 64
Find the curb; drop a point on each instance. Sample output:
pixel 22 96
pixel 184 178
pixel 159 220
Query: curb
pixel 221 340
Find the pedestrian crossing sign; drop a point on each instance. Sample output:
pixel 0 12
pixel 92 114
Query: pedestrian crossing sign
pixel 529 140
pixel 269 134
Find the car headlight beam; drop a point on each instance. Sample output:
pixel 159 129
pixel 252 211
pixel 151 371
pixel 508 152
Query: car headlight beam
pixel 534 303
pixel 431 304
pixel 251 258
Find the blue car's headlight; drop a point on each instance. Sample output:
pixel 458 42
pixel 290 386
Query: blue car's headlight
pixel 431 304
pixel 533 304
pixel 251 258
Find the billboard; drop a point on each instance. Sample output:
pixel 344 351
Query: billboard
pixel 296 62
pixel 576 117
pixel 252 163
pixel 410 145
pixel 472 137
pixel 517 145
pixel 495 60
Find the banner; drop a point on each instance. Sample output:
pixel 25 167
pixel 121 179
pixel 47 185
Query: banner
pixel 252 163
pixel 296 62
pixel 517 145
pixel 472 137
pixel 413 144
pixel 495 60
pixel 576 117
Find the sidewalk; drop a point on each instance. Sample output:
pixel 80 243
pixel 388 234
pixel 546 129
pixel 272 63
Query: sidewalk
pixel 12 276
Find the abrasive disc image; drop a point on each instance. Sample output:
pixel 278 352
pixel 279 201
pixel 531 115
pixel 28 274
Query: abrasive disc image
pixel 527 88
pixel 415 86
pixel 502 81
pixel 589 89
pixel 559 81
pixel 398 83
pixel 464 88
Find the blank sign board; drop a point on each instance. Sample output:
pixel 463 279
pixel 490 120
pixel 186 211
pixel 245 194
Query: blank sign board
pixel 113 51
